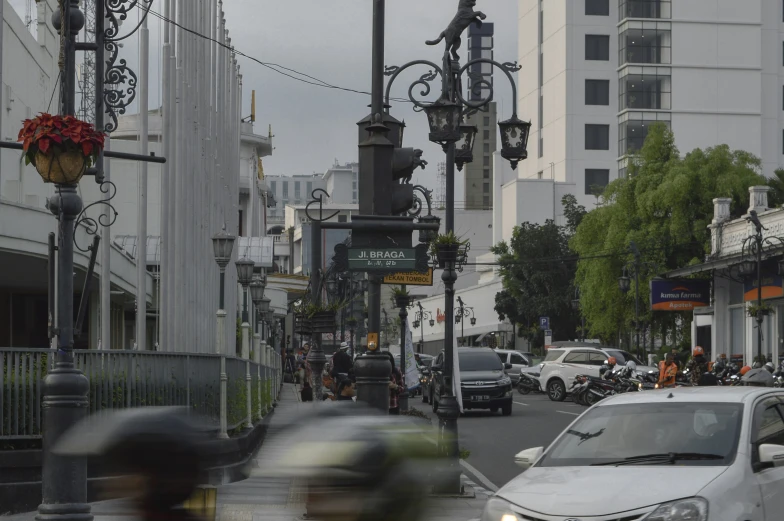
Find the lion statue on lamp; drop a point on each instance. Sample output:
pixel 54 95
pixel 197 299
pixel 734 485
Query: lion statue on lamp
pixel 452 34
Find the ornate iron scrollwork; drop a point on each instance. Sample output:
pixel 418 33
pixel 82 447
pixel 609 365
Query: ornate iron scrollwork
pixel 423 81
pixel 416 210
pixel 105 220
pixel 119 81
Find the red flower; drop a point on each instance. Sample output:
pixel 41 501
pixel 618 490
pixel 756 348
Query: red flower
pixel 44 131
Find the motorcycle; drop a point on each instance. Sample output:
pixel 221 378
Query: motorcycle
pixel 529 383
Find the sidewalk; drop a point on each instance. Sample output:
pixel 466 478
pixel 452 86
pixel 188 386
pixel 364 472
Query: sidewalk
pixel 266 499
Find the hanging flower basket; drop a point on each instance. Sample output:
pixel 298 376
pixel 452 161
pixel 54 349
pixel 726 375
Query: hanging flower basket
pixel 447 253
pixel 60 147
pixel 302 325
pixel 323 322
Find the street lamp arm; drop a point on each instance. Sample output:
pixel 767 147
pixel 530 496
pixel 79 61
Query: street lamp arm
pixel 508 68
pixel 416 209
pixel 104 219
pixel 423 80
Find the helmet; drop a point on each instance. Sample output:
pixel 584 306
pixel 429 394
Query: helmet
pixel 698 351
pixel 723 356
pixel 611 360
pixel 758 378
pixel 745 369
pixel 343 346
pixel 769 367
pixel 631 366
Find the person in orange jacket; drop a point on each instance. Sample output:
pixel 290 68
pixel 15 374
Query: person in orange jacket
pixel 668 370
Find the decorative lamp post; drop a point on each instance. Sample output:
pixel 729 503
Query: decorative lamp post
pixel 624 283
pixel 443 116
pixel 421 316
pixel 432 323
pixel 245 268
pixel 746 268
pixel 514 139
pixel 222 247
pixel 464 148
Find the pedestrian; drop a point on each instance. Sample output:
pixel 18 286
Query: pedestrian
pixel 668 370
pixel 676 358
pixel 395 386
pixel 341 362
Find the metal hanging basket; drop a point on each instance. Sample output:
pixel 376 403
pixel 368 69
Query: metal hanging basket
pixel 63 166
pixel 323 322
pixel 302 325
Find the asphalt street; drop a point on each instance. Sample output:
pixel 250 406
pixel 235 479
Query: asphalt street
pixel 493 439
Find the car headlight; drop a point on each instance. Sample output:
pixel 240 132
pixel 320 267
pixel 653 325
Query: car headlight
pixel 505 381
pixel 692 509
pixel 496 509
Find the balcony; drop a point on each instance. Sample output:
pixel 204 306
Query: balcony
pixel 645 42
pixel 644 9
pixel 645 88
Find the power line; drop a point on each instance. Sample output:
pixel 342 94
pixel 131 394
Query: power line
pixel 272 66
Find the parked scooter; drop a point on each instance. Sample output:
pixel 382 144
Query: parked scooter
pixel 529 383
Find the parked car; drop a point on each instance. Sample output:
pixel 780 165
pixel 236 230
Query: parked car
pixel 561 365
pixel 703 454
pixel 483 382
pixel 518 361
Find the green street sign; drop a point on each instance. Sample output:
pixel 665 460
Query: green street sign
pixel 381 259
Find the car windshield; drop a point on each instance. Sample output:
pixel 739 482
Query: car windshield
pixel 623 356
pixel 480 361
pixel 650 433
pixel 553 355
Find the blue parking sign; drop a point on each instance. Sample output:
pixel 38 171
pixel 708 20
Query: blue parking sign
pixel 544 322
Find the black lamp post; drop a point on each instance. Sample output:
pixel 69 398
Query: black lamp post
pixel 256 295
pixel 222 246
pixel 463 312
pixel 245 268
pixel 421 316
pixel 464 148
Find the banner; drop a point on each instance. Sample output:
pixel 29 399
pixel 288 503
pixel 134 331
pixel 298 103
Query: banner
pixel 412 373
pixel 771 287
pixel 679 294
pixel 457 388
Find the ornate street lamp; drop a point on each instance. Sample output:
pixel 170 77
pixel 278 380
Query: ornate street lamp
pixel 428 236
pixel 514 139
pixel 747 267
pixel 256 291
pixel 222 246
pixel 245 268
pixel 473 321
pixel 264 305
pixel 443 116
pixel 624 283
pixel 432 322
pixel 464 148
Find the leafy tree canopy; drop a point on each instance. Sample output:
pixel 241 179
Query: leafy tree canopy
pixel 664 206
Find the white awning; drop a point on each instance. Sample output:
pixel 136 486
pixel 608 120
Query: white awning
pixel 127 243
pixel 257 249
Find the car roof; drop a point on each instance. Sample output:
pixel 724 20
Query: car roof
pixel 508 351
pixel 725 394
pixel 583 348
pixel 475 349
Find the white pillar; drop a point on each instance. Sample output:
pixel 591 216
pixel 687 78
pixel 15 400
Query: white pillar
pixel 141 238
pixel 166 238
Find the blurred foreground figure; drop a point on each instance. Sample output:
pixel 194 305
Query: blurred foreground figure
pixel 156 450
pixel 358 465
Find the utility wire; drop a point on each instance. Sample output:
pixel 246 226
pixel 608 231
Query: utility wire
pixel 272 66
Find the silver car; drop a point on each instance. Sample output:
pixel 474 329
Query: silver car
pixel 518 361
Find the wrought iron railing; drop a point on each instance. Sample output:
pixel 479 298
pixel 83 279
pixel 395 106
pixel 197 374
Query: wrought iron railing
pixel 123 379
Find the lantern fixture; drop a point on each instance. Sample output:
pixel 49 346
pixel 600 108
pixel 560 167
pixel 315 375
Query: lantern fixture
pixel 514 140
pixel 443 116
pixel 245 268
pixel 576 304
pixel 264 305
pixel 473 321
pixel 457 319
pixel 432 322
pixel 256 291
pixel 747 267
pixel 464 148
pixel 624 284
pixel 428 236
pixel 222 246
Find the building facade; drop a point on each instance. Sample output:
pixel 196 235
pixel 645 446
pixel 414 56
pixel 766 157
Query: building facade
pixel 597 73
pixel 288 190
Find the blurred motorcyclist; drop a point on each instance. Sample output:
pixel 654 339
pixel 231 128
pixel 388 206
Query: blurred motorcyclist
pixel 668 370
pixel 608 368
pixel 758 378
pixel 697 366
pixel 158 452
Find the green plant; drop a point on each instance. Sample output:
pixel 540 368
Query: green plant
pixel 400 291
pixel 416 413
pixel 446 240
pixel 308 308
pixel 464 453
pixel 755 310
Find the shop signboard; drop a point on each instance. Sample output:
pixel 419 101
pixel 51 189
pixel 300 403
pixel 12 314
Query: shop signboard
pixel 772 287
pixel 679 294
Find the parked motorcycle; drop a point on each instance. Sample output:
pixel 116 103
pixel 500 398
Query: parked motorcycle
pixel 529 383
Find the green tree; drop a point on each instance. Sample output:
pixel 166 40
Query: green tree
pixel 664 206
pixel 776 184
pixel 538 269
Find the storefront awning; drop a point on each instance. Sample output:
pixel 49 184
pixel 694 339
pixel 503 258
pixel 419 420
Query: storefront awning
pixel 717 264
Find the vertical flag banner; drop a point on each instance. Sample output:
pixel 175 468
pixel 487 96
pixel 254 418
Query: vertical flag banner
pixel 456 387
pixel 412 372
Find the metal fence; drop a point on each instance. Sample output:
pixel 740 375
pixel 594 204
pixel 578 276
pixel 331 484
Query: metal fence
pixel 123 379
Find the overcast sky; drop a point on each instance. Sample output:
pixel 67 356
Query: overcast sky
pixel 331 40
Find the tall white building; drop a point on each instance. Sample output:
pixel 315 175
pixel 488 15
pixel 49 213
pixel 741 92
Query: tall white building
pixel 597 73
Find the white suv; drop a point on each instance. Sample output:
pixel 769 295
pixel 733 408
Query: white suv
pixel 562 364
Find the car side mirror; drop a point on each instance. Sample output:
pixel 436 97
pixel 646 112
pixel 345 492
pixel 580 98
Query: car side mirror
pixel 528 457
pixel 770 454
pixel 507 366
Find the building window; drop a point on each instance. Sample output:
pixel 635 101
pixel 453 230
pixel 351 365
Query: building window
pixel 240 225
pixel 541 112
pixel 595 180
pixel 285 190
pixel 597 47
pixel 645 88
pixel 486 201
pixel 486 173
pixel 486 188
pixel 541 27
pixel 633 129
pixel 487 121
pixel 487 148
pixel 540 174
pixel 597 137
pixel 296 190
pixel 354 196
pixel 645 42
pixel 597 92
pixel 354 185
pixel 342 218
pixel 541 69
pixel 644 9
pixel 597 7
pixel 310 189
pixel 486 161
pixel 486 135
pixel 541 147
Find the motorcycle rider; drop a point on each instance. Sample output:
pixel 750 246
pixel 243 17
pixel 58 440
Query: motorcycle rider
pixel 609 368
pixel 668 370
pixel 758 378
pixel 697 366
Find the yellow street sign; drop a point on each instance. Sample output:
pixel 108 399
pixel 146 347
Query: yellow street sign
pixel 411 278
